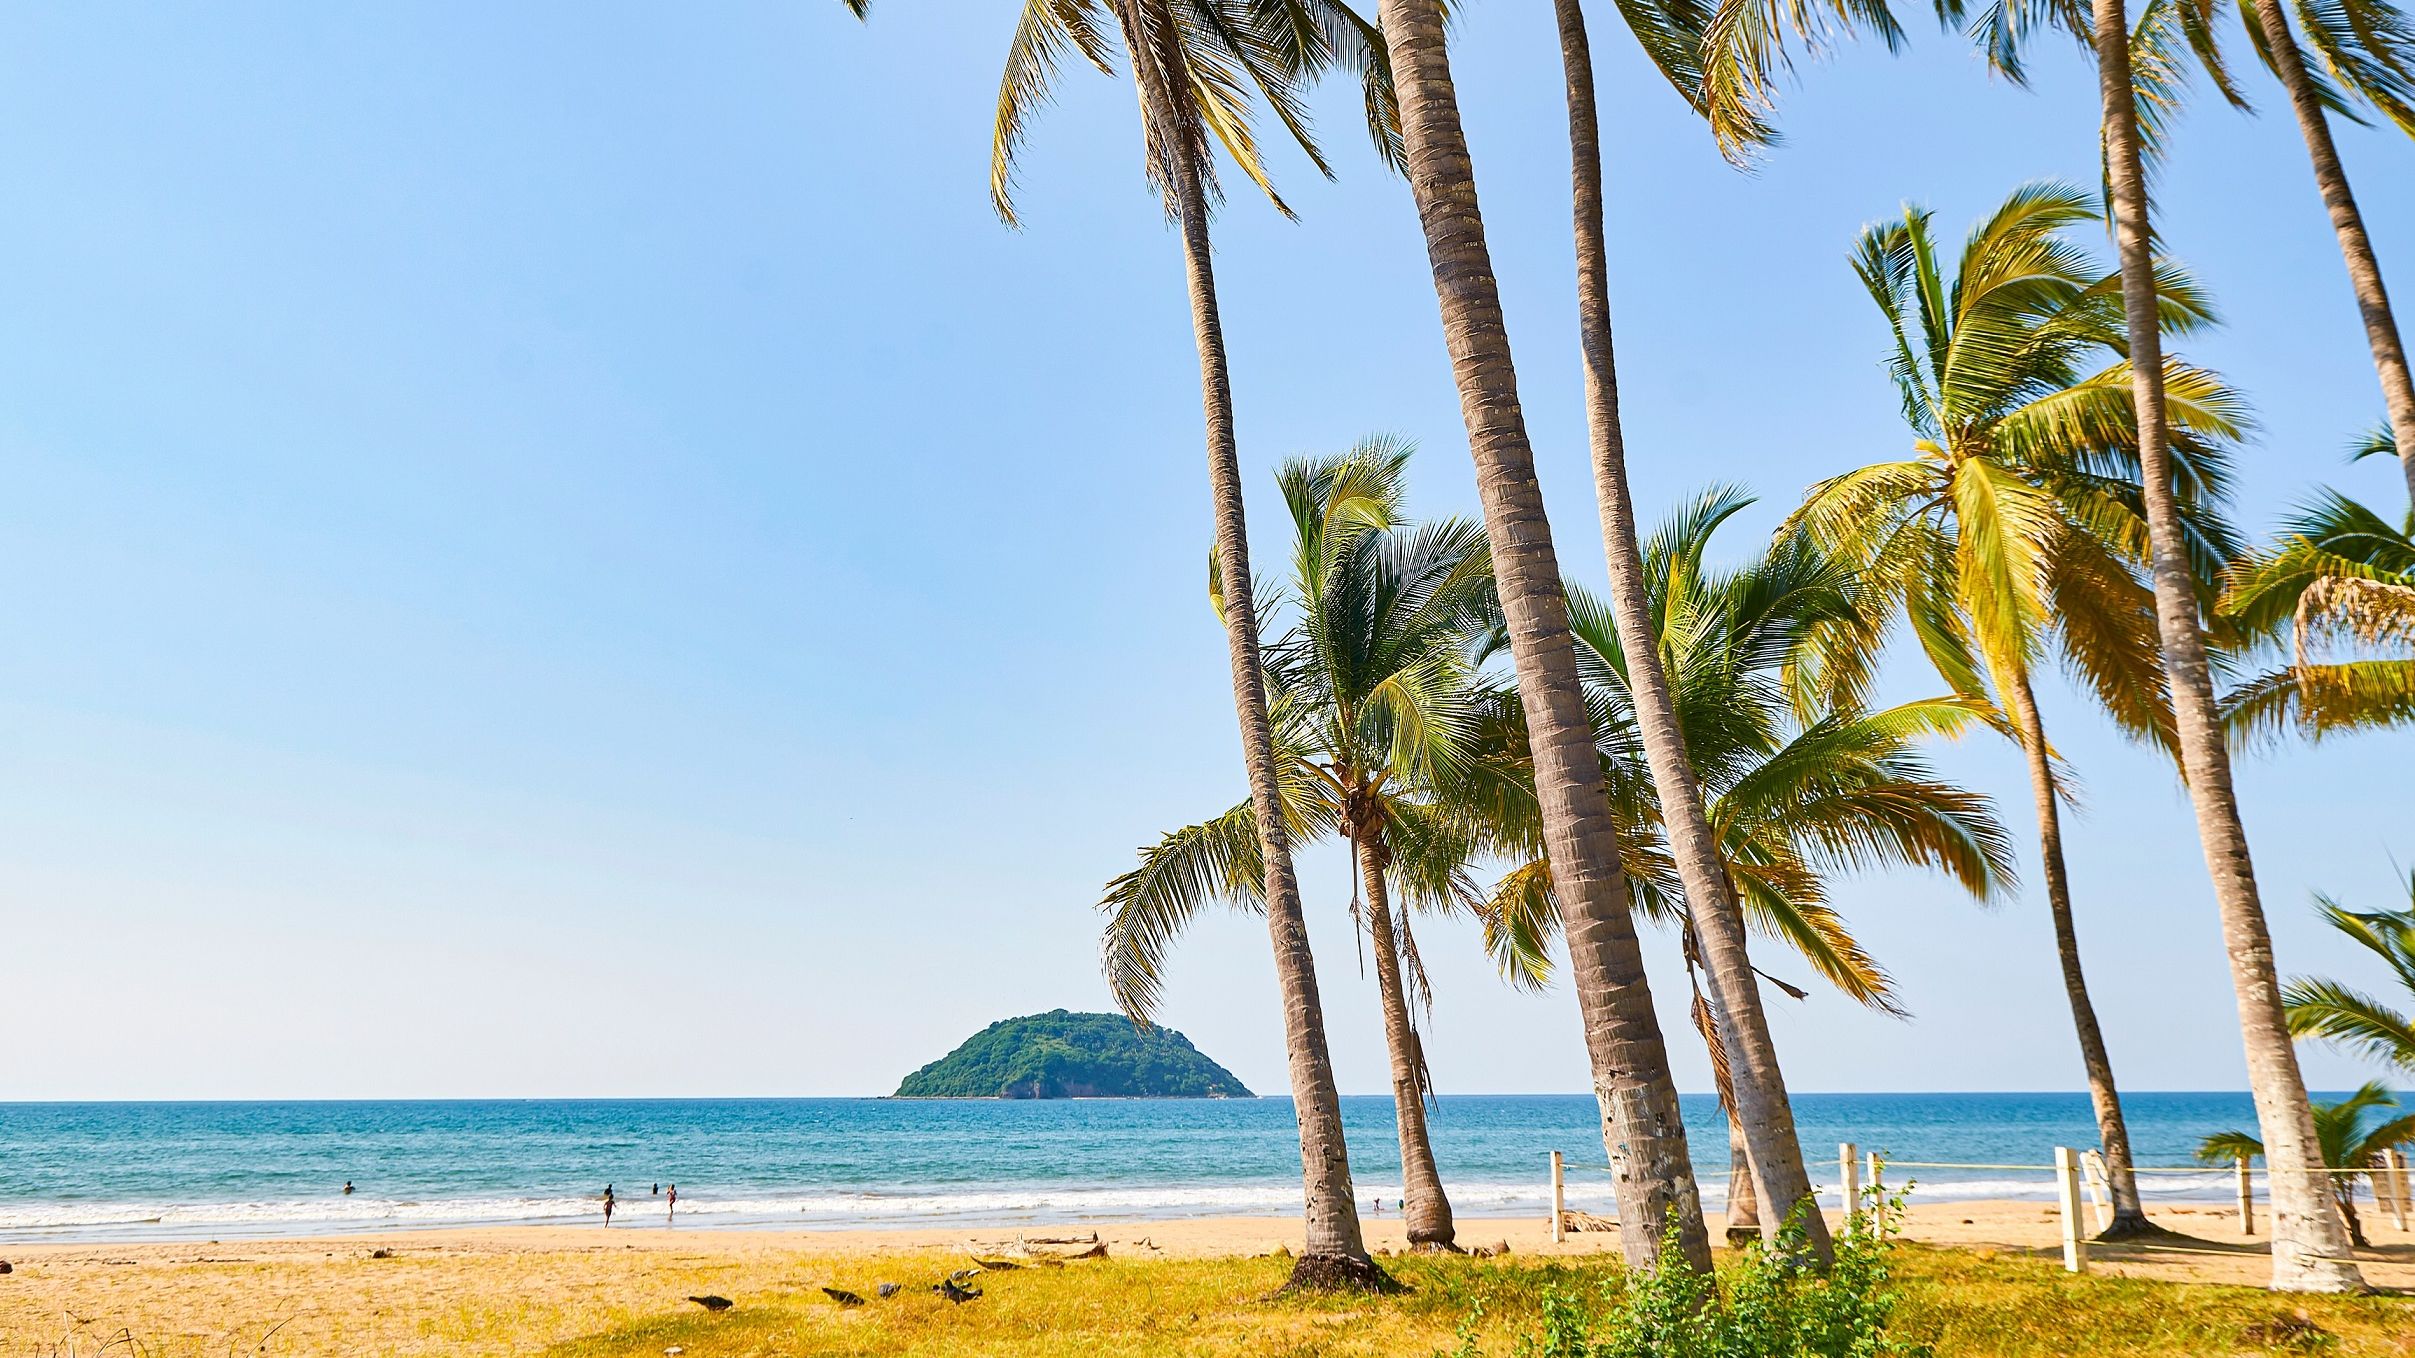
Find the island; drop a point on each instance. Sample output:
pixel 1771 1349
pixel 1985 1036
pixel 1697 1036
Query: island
pixel 1064 1055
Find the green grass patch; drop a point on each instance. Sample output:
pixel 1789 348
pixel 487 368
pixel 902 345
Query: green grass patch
pixel 1958 1302
pixel 2029 1308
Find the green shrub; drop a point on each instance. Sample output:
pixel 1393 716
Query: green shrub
pixel 1765 1305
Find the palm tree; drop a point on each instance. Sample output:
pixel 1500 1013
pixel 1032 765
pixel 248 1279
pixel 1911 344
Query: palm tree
pixel 2366 48
pixel 1641 1126
pixel 1720 58
pixel 2015 528
pixel 2346 1140
pixel 2309 1251
pixel 2341 580
pixel 2335 1012
pixel 1376 693
pixel 1197 69
pixel 1798 790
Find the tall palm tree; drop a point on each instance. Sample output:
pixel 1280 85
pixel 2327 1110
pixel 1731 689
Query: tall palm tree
pixel 2309 1250
pixel 2366 52
pixel 2016 527
pixel 1720 57
pixel 1198 70
pixel 1641 1126
pixel 2336 1012
pixel 2338 595
pixel 2347 1141
pixel 1799 788
pixel 1376 694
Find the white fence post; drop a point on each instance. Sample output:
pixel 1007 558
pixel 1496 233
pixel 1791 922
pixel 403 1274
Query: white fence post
pixel 2394 1171
pixel 2247 1199
pixel 2100 1186
pixel 1876 1165
pixel 1559 1201
pixel 2067 1186
pixel 1849 1174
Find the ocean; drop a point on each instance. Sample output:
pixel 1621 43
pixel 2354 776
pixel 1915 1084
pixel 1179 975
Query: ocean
pixel 100 1171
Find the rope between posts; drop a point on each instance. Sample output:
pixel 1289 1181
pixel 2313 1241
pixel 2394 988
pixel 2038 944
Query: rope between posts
pixel 1613 1169
pixel 1885 1163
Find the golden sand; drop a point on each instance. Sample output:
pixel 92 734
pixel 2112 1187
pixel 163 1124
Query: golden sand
pixel 516 1290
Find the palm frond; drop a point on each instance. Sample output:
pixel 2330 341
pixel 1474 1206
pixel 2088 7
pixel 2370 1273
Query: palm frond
pixel 2223 1148
pixel 1520 921
pixel 2367 47
pixel 1046 32
pixel 1746 49
pixel 2332 1012
pixel 1148 907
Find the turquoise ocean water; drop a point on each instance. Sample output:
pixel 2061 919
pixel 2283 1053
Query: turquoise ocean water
pixel 197 1170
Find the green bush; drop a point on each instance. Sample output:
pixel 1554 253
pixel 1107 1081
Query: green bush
pixel 1765 1305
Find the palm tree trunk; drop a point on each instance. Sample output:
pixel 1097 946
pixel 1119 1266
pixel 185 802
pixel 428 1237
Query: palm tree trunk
pixel 1761 1106
pixel 1335 1252
pixel 2129 1215
pixel 2309 1250
pixel 1422 1204
pixel 2356 1224
pixel 1743 1204
pixel 2356 248
pixel 1641 1126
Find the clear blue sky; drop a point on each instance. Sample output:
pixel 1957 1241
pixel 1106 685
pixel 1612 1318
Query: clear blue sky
pixel 560 549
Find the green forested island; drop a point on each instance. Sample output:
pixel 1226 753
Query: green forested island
pixel 1063 1055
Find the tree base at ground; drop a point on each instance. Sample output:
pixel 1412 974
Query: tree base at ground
pixel 1337 1273
pixel 2134 1227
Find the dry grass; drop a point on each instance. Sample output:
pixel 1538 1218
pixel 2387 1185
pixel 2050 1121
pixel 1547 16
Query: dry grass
pixel 2030 1308
pixel 1997 1308
pixel 620 1302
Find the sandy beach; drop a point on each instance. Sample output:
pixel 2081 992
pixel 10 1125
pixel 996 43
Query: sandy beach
pixel 519 1289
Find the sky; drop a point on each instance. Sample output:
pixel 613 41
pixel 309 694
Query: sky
pixel 561 550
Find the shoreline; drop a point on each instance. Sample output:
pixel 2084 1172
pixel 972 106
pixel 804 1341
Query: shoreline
pixel 1052 1208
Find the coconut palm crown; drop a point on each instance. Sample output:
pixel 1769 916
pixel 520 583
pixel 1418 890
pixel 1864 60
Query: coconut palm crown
pixel 1798 791
pixel 2015 528
pixel 1223 60
pixel 1376 692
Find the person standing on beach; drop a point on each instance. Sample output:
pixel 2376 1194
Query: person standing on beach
pixel 674 1201
pixel 607 1204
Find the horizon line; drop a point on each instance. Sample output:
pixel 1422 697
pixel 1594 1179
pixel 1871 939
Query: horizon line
pixel 1130 1098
